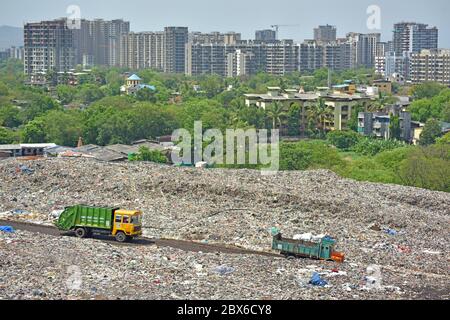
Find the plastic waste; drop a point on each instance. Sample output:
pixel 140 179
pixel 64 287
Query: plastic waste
pixel 7 229
pixel 20 211
pixel 303 237
pixel 25 169
pixel 316 280
pixel 391 232
pixel 224 270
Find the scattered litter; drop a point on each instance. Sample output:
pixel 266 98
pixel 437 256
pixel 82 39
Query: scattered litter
pixel 404 249
pixel 7 229
pixel 391 232
pixel 25 169
pixel 201 165
pixel 179 201
pixel 431 252
pixel 19 212
pixel 224 270
pixel 316 280
pixel 303 237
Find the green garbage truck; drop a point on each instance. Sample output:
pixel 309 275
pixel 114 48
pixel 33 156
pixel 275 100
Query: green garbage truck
pixel 85 221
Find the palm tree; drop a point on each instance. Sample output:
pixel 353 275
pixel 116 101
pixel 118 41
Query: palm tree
pixel 320 114
pixel 381 102
pixel 276 113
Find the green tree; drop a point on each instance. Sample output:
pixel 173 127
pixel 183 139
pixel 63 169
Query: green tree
pixel 89 93
pixel 427 167
pixel 9 116
pixel 34 132
pixel 353 121
pixel 431 132
pixel 146 94
pixel 65 93
pixel 276 113
pixel 343 140
pixel 306 155
pixel 294 119
pixel 145 154
pixel 427 90
pixel 445 114
pixel 319 115
pixel 6 136
pixel 444 140
pixel 394 128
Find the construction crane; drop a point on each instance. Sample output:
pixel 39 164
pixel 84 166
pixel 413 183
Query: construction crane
pixel 278 26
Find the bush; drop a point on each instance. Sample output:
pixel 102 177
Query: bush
pixel 308 155
pixel 343 140
pixel 372 147
pixel 431 132
pixel 427 167
pixel 367 169
pixel 7 136
pixel 145 154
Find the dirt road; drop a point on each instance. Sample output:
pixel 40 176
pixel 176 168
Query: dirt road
pixel 177 244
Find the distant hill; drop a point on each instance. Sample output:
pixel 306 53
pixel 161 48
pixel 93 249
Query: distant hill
pixel 10 36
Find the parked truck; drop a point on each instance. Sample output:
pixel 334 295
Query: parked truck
pixel 124 225
pixel 321 249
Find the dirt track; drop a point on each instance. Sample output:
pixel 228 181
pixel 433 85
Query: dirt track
pixel 188 246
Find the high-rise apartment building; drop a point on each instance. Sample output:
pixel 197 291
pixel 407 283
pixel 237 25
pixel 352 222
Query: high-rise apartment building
pixel 364 48
pixel 311 56
pixel 325 33
pixel 414 37
pixel 245 57
pixel 142 50
pixel 241 63
pixel 175 40
pixel 266 35
pixel 282 57
pixel 48 46
pixel 335 55
pixel 98 41
pixel 215 37
pixel 430 65
pixel 408 38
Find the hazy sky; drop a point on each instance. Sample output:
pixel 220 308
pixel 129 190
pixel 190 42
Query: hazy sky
pixel 244 16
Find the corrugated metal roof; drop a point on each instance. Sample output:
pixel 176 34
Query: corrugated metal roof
pixel 10 147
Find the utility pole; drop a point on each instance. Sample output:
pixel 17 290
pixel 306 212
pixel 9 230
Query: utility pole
pixel 329 78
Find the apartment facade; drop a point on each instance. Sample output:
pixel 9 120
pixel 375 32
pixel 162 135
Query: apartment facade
pixel 336 55
pixel 414 37
pixel 378 124
pixel 243 58
pixel 325 33
pixel 48 47
pixel 142 50
pixel 98 41
pixel 430 65
pixel 175 40
pixel 267 35
pixel 214 37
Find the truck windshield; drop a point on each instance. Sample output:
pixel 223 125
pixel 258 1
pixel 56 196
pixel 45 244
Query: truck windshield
pixel 136 220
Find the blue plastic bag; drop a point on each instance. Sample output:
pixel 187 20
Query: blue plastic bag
pixel 391 232
pixel 316 280
pixel 7 229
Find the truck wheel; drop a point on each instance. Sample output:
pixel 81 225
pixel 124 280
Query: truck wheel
pixel 81 233
pixel 121 237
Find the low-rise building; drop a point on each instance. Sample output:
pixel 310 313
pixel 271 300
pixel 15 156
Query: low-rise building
pixel 25 149
pixel 134 84
pixel 384 86
pixel 378 124
pixel 341 104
